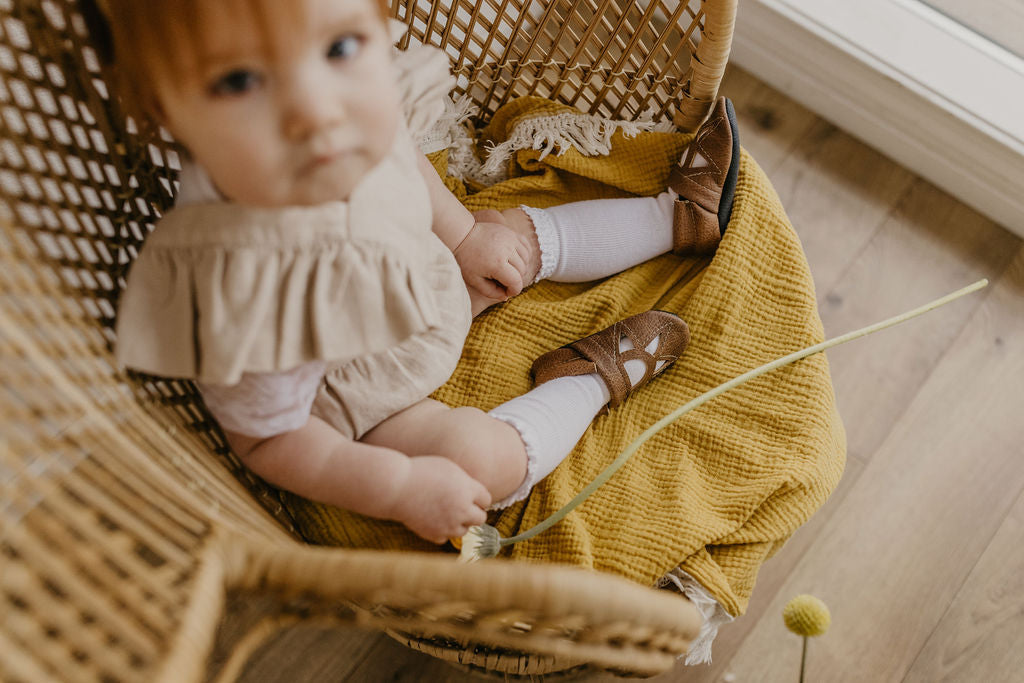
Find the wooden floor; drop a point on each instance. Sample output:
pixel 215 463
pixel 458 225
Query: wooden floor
pixel 919 552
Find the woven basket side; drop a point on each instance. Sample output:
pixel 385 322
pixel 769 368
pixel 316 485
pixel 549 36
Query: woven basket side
pixel 619 59
pixel 499 615
pixel 105 509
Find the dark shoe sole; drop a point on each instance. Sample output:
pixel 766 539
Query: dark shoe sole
pixel 729 187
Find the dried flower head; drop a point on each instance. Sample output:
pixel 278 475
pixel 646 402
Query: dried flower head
pixel 806 615
pixel 480 543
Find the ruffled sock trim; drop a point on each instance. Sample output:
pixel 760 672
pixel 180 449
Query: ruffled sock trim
pixel 531 460
pixel 547 238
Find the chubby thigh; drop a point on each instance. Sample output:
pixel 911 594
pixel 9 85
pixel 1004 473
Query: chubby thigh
pixel 488 449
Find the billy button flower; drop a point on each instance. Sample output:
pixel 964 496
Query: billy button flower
pixel 806 616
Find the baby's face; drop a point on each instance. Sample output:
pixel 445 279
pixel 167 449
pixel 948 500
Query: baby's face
pixel 293 116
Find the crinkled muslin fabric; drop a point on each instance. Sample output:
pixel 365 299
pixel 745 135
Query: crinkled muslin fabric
pixel 723 488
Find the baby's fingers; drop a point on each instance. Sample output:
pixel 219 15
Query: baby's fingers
pixel 475 517
pixel 489 288
pixel 519 263
pixel 482 500
pixel 508 275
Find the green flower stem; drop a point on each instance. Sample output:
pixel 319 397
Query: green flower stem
pixel 721 389
pixel 803 660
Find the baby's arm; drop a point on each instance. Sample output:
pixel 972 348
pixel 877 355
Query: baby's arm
pixel 494 260
pixel 452 221
pixel 431 495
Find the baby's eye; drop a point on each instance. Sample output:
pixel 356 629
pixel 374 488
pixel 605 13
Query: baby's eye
pixel 236 82
pixel 345 47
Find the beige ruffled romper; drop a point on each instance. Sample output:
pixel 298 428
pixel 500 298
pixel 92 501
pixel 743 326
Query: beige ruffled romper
pixel 350 311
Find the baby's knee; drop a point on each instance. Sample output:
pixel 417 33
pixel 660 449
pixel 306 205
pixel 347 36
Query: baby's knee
pixel 473 435
pixel 491 451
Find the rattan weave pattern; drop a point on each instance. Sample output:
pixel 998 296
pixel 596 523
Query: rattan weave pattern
pixel 105 508
pixel 616 58
pixel 127 530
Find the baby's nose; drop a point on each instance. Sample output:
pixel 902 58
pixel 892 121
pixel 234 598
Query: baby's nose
pixel 308 110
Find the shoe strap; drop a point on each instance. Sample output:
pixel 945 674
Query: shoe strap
pixel 602 349
pixel 694 229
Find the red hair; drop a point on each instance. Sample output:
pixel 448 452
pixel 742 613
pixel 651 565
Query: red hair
pixel 147 40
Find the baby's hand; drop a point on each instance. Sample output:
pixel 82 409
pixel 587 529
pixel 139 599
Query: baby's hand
pixel 493 259
pixel 438 500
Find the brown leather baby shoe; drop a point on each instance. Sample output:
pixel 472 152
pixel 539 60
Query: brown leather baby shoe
pixel 600 353
pixel 705 180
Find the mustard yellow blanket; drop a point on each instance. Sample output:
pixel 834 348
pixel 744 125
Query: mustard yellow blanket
pixel 722 489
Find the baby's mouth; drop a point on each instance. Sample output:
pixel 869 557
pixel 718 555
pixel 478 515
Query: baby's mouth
pixel 321 159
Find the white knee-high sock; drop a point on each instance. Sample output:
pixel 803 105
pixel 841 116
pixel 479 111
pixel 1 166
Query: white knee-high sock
pixel 584 241
pixel 551 418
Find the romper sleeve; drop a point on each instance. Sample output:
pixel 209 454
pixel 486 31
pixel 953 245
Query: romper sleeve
pixel 425 81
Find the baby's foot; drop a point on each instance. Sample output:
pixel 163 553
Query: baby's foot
pixel 626 355
pixel 705 182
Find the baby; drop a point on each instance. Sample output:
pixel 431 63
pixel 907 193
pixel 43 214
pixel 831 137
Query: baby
pixel 317 280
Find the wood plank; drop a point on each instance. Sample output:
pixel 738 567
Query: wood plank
pixel 837 193
pixel 930 245
pixel 310 653
pixel 979 638
pixel 905 538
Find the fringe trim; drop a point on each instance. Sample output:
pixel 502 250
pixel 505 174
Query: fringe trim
pixel 589 134
pixel 714 614
pixel 449 131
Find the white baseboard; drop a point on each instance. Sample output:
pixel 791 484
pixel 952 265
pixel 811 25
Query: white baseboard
pixel 975 153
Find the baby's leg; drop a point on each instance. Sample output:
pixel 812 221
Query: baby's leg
pixel 509 449
pixel 589 240
pixel 518 443
pixel 489 450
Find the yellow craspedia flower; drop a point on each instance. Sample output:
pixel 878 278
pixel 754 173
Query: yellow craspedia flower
pixel 806 615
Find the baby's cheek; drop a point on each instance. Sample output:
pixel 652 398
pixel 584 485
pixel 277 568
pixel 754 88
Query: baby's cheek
pixel 387 124
pixel 251 178
pixel 381 112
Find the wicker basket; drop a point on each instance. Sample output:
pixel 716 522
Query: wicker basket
pixel 129 532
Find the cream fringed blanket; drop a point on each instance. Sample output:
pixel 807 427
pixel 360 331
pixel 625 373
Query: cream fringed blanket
pixel 722 489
